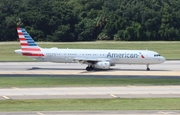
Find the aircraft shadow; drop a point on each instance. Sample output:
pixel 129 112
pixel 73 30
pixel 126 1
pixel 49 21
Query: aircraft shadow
pixel 38 68
pixel 115 69
pixel 96 70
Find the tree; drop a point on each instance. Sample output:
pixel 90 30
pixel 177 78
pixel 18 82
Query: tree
pixel 86 20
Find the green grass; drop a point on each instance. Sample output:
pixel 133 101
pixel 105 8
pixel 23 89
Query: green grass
pixel 91 104
pixel 170 50
pixel 77 81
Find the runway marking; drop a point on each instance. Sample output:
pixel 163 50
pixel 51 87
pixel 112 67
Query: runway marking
pixel 6 97
pixel 162 112
pixel 151 73
pixel 113 95
pixel 39 113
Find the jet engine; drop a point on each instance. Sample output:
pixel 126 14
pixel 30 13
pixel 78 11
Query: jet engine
pixel 102 65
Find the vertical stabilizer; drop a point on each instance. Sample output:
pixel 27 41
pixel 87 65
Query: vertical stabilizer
pixel 28 45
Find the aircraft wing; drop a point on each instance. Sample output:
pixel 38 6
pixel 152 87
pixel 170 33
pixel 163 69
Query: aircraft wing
pixel 85 60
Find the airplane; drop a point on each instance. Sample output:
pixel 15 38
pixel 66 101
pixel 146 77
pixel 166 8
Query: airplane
pixel 94 58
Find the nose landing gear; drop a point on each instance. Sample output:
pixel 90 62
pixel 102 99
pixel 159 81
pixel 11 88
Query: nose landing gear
pixel 148 69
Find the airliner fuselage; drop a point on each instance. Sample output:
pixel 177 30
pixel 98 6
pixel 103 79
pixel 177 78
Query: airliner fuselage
pixel 113 56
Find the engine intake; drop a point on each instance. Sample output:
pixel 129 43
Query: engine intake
pixel 102 65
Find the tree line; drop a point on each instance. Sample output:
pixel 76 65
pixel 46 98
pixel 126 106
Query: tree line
pixel 88 20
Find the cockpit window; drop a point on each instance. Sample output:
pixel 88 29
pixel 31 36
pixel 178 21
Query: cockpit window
pixel 156 55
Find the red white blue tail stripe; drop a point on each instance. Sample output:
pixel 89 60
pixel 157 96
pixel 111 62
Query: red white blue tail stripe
pixel 28 45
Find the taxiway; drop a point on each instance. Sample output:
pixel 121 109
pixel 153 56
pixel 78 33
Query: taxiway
pixel 91 92
pixel 169 68
pixel 128 112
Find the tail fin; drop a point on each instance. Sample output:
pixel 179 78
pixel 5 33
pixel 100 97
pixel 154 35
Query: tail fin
pixel 28 45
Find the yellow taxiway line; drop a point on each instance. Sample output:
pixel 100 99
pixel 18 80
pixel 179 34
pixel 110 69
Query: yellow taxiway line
pixel 128 73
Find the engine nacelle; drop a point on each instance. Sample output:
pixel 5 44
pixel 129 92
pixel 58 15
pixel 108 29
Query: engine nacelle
pixel 102 65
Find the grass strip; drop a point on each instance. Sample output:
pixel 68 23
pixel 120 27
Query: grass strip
pixel 91 104
pixel 170 50
pixel 79 81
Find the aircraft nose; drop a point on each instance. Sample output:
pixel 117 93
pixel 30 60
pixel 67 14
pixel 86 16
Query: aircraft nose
pixel 163 59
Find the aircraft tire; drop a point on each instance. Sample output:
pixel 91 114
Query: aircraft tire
pixel 88 68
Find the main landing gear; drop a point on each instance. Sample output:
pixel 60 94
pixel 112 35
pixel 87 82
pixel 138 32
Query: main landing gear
pixel 148 69
pixel 90 68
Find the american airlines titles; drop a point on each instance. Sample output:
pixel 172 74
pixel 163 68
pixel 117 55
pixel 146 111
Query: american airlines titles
pixel 122 55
